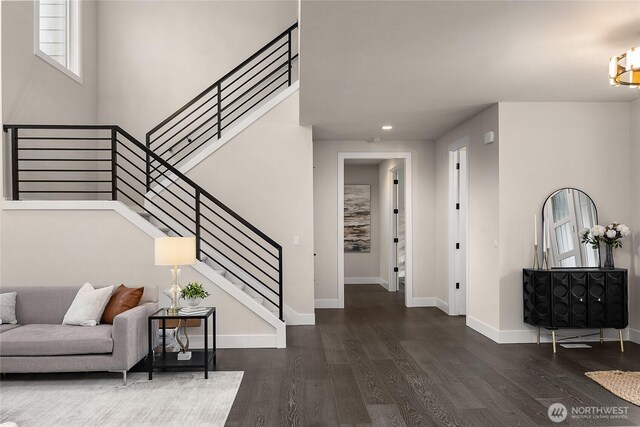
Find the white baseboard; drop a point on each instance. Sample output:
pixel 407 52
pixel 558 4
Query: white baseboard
pixel 293 318
pixel 366 281
pixel 486 330
pixel 442 305
pixel 236 341
pixel 326 303
pixel 530 335
pixel 430 302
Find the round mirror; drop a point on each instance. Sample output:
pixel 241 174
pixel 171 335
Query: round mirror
pixel 565 214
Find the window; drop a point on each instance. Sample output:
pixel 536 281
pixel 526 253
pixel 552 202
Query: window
pixel 57 35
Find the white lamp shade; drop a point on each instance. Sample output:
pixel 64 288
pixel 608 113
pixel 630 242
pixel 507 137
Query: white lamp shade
pixel 175 250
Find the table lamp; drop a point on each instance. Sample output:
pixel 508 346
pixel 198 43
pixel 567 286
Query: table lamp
pixel 175 251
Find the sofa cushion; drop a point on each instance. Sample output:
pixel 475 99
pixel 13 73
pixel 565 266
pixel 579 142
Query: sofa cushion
pixel 56 340
pixel 8 308
pixel 9 326
pixel 88 306
pixel 123 299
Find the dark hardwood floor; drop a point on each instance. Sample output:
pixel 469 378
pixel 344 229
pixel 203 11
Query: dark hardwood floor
pixel 379 363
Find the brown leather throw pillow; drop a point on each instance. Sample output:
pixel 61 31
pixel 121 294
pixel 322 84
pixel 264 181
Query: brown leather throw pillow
pixel 123 299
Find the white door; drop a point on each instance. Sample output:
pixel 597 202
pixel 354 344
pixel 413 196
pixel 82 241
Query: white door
pixel 459 210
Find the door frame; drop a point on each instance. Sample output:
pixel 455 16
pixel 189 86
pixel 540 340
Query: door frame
pixel 406 156
pixel 454 309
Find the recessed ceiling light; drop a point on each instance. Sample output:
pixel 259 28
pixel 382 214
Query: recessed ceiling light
pixel 376 139
pixel 387 127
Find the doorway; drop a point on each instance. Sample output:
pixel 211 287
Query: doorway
pixel 388 255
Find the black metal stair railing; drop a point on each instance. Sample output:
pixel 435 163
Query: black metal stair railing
pixel 226 101
pixel 103 162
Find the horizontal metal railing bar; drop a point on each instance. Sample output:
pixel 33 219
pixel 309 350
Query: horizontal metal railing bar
pixel 186 126
pixel 62 138
pixel 256 103
pixel 66 180
pixel 240 243
pixel 157 206
pixel 255 75
pixel 147 210
pixel 203 192
pixel 54 127
pixel 238 253
pixel 157 194
pixel 64 160
pixel 245 271
pixel 237 229
pixel 225 77
pixel 64 170
pixel 61 149
pixel 231 83
pixel 161 173
pixel 66 191
pixel 183 119
pixel 256 85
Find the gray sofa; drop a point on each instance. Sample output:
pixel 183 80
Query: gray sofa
pixel 40 343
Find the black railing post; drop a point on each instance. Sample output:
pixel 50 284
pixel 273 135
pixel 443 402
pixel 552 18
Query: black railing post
pixel 220 109
pixel 280 284
pixel 148 163
pixel 114 171
pixel 197 222
pixel 15 183
pixel 289 57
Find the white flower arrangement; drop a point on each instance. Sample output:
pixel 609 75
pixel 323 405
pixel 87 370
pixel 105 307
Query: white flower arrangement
pixel 611 235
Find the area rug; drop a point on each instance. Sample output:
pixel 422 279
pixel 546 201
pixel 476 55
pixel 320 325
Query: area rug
pixel 625 385
pixel 170 399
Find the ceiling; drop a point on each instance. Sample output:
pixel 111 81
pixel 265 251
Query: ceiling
pixel 425 66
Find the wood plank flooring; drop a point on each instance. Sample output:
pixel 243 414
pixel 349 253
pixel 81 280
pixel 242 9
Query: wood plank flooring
pixel 377 363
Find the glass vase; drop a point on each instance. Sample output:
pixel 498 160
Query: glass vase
pixel 608 260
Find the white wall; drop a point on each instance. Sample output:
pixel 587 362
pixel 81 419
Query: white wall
pixel 61 248
pixel 157 55
pixel 33 90
pixel 545 146
pixel 325 200
pixel 634 222
pixel 482 302
pixel 266 175
pixel 365 264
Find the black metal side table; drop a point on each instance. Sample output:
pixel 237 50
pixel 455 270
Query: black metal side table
pixel 200 358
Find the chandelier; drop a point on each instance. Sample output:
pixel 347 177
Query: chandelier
pixel 625 69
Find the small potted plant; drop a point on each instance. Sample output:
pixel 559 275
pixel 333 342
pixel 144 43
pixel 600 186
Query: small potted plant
pixel 194 293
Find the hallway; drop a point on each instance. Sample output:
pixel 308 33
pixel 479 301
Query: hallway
pixel 378 363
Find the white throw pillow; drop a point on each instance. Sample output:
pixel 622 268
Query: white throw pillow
pixel 8 308
pixel 88 305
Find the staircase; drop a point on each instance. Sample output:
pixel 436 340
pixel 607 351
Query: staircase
pixel 104 162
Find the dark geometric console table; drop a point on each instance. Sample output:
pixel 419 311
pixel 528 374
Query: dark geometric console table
pixel 576 298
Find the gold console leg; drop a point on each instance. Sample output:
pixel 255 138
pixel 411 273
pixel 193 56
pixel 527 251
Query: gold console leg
pixel 601 336
pixel 621 341
pixel 538 336
pixel 553 338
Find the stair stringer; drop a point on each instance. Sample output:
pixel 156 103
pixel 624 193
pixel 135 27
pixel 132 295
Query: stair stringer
pixel 210 148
